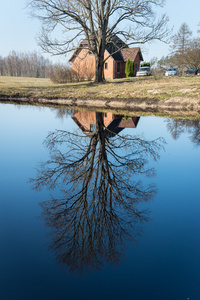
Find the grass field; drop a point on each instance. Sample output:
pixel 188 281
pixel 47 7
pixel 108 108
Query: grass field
pixel 152 88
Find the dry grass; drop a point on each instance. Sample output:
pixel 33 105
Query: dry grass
pixel 162 88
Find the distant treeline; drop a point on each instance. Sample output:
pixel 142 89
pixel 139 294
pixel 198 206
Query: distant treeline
pixel 25 65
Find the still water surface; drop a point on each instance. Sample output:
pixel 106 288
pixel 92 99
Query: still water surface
pixel 105 216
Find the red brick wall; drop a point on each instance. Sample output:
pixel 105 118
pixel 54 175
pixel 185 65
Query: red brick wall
pixel 86 118
pixel 120 74
pixel 89 117
pixel 136 61
pixel 109 72
pixel 108 117
pixel 84 66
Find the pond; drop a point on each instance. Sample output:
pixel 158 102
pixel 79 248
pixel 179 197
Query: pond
pixel 98 205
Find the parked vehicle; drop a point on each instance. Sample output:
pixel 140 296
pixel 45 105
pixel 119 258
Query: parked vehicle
pixel 190 71
pixel 171 72
pixel 144 71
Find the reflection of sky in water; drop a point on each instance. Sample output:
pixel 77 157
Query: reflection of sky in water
pixel 164 265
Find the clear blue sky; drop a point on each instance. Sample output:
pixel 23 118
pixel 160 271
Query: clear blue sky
pixel 18 31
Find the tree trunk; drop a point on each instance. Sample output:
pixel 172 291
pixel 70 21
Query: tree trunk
pixel 99 122
pixel 99 72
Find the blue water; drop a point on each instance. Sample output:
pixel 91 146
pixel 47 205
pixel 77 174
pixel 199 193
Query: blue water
pixel 164 261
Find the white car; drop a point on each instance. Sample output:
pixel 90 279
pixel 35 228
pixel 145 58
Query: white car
pixel 171 72
pixel 144 71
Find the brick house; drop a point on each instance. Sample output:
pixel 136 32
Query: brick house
pixel 83 61
pixel 86 121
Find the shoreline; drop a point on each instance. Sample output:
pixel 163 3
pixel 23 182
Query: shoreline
pixel 153 95
pixel 144 106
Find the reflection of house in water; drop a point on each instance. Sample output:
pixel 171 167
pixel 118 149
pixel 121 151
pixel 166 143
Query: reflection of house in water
pixel 87 120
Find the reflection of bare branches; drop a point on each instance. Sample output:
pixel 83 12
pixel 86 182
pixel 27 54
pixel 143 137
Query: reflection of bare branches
pixel 178 126
pixel 98 210
pixel 63 112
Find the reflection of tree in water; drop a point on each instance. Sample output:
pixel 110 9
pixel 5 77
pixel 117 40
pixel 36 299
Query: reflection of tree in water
pixel 178 126
pixel 98 211
pixel 63 112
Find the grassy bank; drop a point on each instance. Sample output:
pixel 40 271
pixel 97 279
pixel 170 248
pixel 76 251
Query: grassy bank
pixel 178 89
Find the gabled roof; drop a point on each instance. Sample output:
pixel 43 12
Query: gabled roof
pixel 126 53
pixel 83 45
pixel 119 123
pixel 112 47
pixel 131 53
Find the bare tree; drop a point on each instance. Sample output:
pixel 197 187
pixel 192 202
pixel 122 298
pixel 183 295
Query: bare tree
pixel 177 127
pixel 1 66
pixel 185 50
pixel 98 178
pixel 25 64
pixel 181 40
pixel 98 21
pixel 180 45
pixel 192 56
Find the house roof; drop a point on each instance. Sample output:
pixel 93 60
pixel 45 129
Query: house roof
pixel 119 123
pixel 117 55
pixel 126 53
pixel 130 123
pixel 83 45
pixel 112 47
pixel 131 53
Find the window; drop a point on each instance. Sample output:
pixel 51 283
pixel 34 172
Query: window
pixel 106 65
pixel 90 52
pixel 135 68
pixel 118 68
pixel 105 114
pixel 92 127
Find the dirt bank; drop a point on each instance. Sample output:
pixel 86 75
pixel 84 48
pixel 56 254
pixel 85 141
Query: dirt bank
pixel 180 107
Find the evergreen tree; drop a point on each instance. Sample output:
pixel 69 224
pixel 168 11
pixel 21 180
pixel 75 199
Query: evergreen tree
pixel 129 70
pixel 128 67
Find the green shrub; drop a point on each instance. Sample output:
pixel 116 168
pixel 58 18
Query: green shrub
pixel 145 64
pixel 127 68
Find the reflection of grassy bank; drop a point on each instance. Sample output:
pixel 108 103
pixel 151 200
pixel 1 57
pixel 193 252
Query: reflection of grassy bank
pixel 185 114
pixel 151 88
